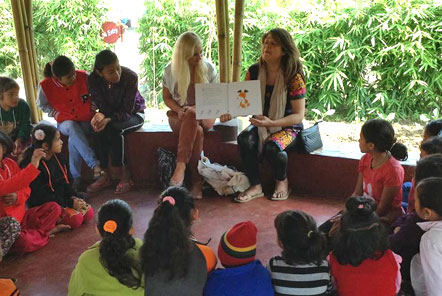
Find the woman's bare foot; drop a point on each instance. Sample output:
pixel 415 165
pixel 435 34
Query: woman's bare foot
pixel 197 191
pixel 177 178
pixel 58 228
pixel 282 190
pixel 251 193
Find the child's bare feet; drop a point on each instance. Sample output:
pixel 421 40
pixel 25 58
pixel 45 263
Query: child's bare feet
pixel 58 228
pixel 177 178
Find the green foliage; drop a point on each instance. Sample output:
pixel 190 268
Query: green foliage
pixel 71 28
pixel 377 58
pixel 61 27
pixel 9 54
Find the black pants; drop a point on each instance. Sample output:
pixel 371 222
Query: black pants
pixel 248 141
pixel 111 140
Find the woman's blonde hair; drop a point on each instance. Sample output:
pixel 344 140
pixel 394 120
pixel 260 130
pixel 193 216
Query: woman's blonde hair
pixel 184 49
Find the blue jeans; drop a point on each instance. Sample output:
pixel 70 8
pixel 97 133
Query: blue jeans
pixel 78 146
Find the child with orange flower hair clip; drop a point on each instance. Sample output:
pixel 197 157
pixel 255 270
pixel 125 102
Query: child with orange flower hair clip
pixel 110 266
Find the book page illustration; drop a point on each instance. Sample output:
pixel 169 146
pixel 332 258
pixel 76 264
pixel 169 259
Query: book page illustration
pixel 245 98
pixel 210 100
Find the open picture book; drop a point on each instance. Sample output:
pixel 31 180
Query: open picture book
pixel 235 98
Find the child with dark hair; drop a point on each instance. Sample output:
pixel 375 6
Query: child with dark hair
pixel 14 115
pixel 111 266
pixel 302 268
pixel 426 268
pixel 64 95
pixel 29 229
pixel 174 263
pixel 243 275
pixel 54 184
pixel 380 173
pixel 407 234
pixel 432 129
pixel 120 111
pixel 430 146
pixel 360 259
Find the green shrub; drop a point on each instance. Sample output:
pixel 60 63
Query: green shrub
pixel 379 58
pixel 61 27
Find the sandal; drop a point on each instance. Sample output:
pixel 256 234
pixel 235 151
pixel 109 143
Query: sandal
pixel 124 186
pixel 281 195
pixel 248 197
pixel 97 172
pixel 102 182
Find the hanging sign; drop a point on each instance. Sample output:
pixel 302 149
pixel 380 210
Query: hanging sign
pixel 110 32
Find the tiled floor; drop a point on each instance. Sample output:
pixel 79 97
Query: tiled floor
pixel 47 271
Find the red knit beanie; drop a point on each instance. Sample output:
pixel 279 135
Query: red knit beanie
pixel 238 245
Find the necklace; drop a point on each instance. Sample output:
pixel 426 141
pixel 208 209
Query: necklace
pixel 376 164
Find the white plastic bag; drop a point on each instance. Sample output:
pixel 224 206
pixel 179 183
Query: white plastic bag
pixel 223 179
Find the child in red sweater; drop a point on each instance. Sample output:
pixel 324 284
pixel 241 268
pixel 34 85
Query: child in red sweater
pixel 37 223
pixel 360 262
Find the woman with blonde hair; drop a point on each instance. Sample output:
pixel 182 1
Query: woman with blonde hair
pixel 188 67
pixel 283 99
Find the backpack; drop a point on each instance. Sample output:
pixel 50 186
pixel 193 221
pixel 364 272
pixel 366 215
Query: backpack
pixel 166 166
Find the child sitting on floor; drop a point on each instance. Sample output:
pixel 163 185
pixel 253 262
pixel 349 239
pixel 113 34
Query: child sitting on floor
pixel 407 234
pixel 55 181
pixel 301 269
pixel 111 266
pixel 29 229
pixel 174 263
pixel 360 262
pixel 426 268
pixel 14 115
pixel 243 274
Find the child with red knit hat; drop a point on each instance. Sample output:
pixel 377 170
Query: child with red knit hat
pixel 243 274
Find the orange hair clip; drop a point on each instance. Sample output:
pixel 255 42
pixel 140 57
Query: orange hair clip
pixel 110 226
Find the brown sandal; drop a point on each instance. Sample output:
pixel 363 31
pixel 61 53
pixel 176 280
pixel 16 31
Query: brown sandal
pixel 102 182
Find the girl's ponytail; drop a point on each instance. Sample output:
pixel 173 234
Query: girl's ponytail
pixel 167 244
pixel 302 242
pixel 399 151
pixel 115 227
pixel 113 256
pixel 47 71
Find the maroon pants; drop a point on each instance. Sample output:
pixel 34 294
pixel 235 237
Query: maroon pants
pixel 36 224
pixel 190 134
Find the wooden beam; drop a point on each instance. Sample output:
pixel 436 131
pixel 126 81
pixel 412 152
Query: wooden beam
pixel 228 57
pixel 222 44
pixel 19 23
pixel 237 40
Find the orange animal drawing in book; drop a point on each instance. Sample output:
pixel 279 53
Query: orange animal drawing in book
pixel 242 96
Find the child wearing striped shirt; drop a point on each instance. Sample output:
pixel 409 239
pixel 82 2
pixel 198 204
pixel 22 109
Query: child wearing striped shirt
pixel 301 269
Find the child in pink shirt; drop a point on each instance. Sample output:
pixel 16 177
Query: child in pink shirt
pixel 380 173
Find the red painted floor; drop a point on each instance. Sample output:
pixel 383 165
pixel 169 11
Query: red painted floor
pixel 47 271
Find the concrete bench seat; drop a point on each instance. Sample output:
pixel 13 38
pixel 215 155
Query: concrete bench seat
pixel 330 171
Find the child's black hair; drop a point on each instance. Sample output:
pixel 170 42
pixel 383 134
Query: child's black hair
pixel 434 128
pixel 60 67
pixel 381 133
pixel 104 58
pixel 301 240
pixel 167 244
pixel 7 143
pixel 48 133
pixel 433 145
pixel 114 246
pixel 429 192
pixel 361 234
pixel 6 84
pixel 430 166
